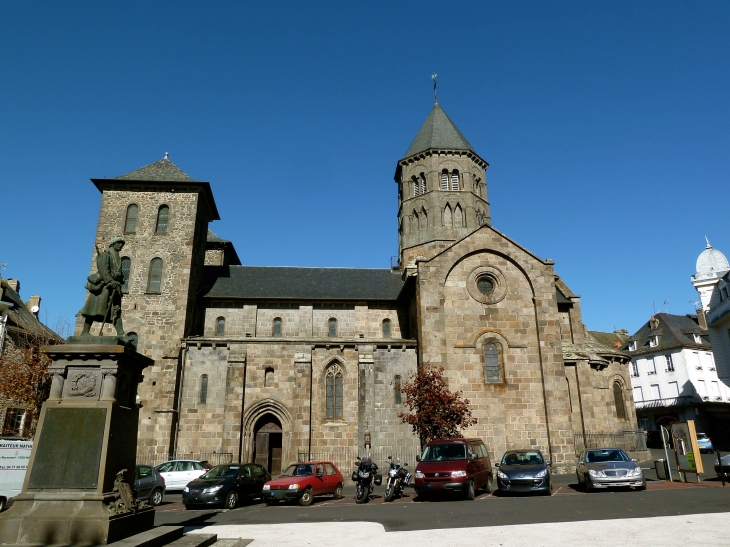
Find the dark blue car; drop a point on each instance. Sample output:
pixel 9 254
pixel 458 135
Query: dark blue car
pixel 524 471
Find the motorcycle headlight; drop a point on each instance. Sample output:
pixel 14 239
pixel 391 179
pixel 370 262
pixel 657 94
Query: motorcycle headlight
pixel 420 475
pixel 393 473
pixel 294 487
pixel 541 474
pixel 594 473
pixel 186 489
pixel 212 489
pixel 458 474
pixel 267 487
pixel 364 474
pixel 502 475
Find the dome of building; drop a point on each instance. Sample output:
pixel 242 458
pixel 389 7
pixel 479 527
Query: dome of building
pixel 711 261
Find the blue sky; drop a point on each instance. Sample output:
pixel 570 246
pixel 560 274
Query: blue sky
pixel 606 126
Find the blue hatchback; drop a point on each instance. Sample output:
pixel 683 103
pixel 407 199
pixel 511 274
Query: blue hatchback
pixel 704 442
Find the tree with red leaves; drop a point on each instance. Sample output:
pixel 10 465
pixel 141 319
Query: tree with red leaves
pixel 436 412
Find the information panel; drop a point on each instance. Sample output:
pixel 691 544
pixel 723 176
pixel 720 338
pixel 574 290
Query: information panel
pixel 69 449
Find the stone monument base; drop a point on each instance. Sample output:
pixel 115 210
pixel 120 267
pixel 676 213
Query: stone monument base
pixel 69 519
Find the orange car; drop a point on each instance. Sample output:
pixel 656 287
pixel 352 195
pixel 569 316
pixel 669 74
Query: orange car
pixel 303 481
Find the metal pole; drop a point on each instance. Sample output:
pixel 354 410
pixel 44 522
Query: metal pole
pixel 666 454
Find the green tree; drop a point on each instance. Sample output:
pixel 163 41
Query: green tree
pixel 436 412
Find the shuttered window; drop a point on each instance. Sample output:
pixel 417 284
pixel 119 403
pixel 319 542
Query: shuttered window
pixel 162 215
pixel 454 180
pixel 332 328
pixel 415 187
pixel 423 183
pixel 220 326
pixel 444 181
pixel 154 281
pixel 126 267
pixel 386 328
pixel 277 327
pixel 130 224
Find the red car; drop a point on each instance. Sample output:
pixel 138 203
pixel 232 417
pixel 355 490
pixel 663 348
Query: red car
pixel 303 481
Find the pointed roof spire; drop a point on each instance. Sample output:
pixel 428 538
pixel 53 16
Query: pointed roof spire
pixel 438 131
pixel 162 170
pixel 708 243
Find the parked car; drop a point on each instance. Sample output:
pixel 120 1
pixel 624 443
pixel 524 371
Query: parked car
pixel 608 468
pixel 723 466
pixel 304 481
pixel 455 465
pixel 704 442
pixel 149 484
pixel 177 473
pixel 226 485
pixel 524 471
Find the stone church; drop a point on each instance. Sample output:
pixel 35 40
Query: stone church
pixel 275 363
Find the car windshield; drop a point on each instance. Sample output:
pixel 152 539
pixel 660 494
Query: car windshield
pixel 221 472
pixel 600 456
pixel 441 452
pixel 522 458
pixel 301 470
pixel 701 436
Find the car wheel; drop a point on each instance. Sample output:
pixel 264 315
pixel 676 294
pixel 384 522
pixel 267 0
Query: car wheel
pixel 188 507
pixel 231 500
pixel 306 498
pixel 642 487
pixel 470 491
pixel 587 486
pixel 488 486
pixel 338 492
pixel 156 497
pixel 2 503
pixel 549 491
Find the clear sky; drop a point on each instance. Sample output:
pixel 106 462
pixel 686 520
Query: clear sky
pixel 605 124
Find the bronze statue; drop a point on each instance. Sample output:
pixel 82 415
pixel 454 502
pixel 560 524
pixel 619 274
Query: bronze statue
pixel 104 300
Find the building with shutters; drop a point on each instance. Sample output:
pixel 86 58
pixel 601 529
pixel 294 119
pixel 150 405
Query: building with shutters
pixel 271 364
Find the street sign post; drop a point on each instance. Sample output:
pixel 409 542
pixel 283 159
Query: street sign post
pixel 686 448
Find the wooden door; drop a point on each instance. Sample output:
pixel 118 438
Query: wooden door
pixel 262 449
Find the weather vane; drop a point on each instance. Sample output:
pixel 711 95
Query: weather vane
pixel 435 96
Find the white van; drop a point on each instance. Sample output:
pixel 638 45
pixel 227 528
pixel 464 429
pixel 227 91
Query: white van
pixel 14 457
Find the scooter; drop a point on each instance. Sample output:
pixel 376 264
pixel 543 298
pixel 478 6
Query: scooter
pixel 365 476
pixel 398 479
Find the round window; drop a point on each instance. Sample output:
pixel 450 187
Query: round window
pixel 485 284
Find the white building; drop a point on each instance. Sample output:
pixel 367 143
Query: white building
pixel 674 377
pixel 712 282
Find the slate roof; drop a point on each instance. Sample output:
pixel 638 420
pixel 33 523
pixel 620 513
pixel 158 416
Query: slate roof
pixel 21 318
pixel 674 331
pixel 599 347
pixel 213 238
pixel 438 131
pixel 163 170
pixel 292 283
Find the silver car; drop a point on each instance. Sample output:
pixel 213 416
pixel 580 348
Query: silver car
pixel 608 468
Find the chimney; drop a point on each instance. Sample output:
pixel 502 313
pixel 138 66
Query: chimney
pixel 34 304
pixel 701 319
pixel 14 284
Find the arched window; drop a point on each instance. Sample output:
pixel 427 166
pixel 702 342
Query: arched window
pixel 618 397
pixel 332 332
pixel 445 180
pixel 396 389
pixel 163 213
pixel 154 280
pixel 203 389
pixel 415 186
pixel 423 183
pixel 492 362
pixel 448 219
pixel 414 222
pixel 386 328
pixel 220 326
pixel 130 223
pixel 126 267
pixel 423 219
pixel 458 217
pixel 277 327
pixel 334 392
pixel 455 181
pixel 268 377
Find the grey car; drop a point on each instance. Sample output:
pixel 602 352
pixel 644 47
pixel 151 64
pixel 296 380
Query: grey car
pixel 524 471
pixel 600 468
pixel 149 484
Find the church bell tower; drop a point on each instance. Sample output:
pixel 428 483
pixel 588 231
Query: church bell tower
pixel 442 189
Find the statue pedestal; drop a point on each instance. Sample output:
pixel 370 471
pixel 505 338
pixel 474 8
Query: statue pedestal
pixel 74 492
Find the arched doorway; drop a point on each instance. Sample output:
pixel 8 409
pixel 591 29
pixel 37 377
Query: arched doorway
pixel 267 443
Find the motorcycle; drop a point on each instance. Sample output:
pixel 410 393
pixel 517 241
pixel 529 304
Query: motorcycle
pixel 365 475
pixel 398 479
